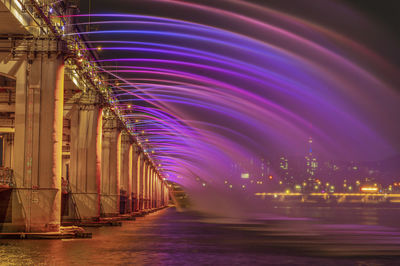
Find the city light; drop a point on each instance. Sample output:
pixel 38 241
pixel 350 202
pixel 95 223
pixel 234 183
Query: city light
pixel 369 189
pixel 245 175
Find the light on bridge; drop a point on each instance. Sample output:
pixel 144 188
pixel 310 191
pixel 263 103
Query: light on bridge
pixel 369 189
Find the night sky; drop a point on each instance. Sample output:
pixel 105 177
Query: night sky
pixel 383 14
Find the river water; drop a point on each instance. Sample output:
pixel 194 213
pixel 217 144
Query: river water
pixel 327 236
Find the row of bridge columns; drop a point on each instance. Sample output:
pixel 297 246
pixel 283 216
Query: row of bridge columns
pixel 104 162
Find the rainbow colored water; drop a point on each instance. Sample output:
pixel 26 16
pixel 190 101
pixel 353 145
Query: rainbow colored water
pixel 212 85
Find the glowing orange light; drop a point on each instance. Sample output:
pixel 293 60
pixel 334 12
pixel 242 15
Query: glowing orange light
pixel 270 177
pixel 369 189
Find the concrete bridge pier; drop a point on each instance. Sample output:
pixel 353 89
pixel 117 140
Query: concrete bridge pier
pixel 85 158
pixel 149 185
pixel 135 179
pixel 111 166
pixel 38 139
pixel 157 192
pixel 162 194
pixel 153 188
pixel 139 166
pixel 159 187
pixel 145 183
pixel 126 173
pixel 149 173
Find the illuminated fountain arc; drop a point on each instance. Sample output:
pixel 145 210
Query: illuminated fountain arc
pixel 204 93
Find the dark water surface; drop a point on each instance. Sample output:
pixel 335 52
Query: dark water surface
pixel 171 238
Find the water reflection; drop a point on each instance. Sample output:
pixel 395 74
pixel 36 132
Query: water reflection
pixel 172 238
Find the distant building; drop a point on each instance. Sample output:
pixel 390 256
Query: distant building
pixel 311 168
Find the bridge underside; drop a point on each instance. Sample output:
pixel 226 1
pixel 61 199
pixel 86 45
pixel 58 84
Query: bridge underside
pixel 9 24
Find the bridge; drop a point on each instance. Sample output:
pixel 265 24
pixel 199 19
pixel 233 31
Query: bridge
pixel 68 153
pixel 331 197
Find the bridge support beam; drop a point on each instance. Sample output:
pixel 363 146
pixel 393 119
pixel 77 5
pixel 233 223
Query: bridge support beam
pixel 152 188
pixel 126 172
pixel 36 199
pixel 141 185
pixel 85 178
pixel 157 191
pixel 111 164
pixel 135 180
pixel 146 185
pixel 149 188
pixel 166 195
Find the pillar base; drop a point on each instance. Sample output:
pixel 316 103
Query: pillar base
pixel 30 210
pixel 110 205
pixel 87 206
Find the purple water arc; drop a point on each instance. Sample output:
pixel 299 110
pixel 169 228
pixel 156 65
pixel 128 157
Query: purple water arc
pixel 207 95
